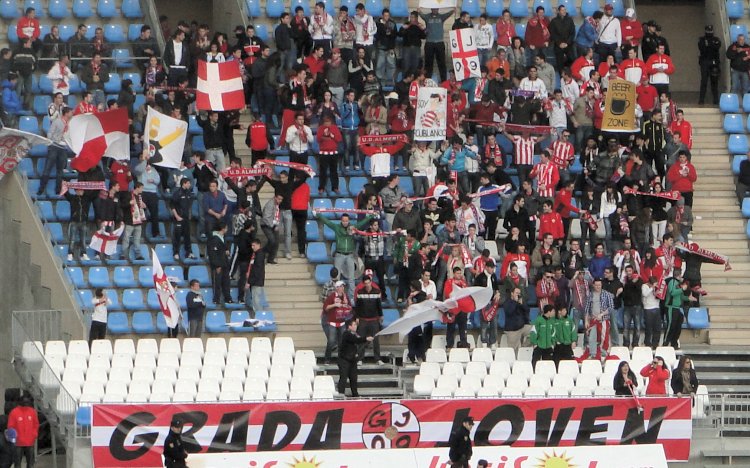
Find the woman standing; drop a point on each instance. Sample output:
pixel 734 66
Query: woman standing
pixel 658 207
pixel 98 329
pixel 657 375
pixel 624 382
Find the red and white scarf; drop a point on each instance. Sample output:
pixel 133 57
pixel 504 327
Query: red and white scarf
pixel 292 165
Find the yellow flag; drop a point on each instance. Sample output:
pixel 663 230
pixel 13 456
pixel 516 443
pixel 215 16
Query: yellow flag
pixel 619 107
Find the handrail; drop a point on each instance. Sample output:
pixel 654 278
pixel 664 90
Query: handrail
pixel 149 9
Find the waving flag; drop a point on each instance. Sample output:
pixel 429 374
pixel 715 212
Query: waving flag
pixel 14 146
pixel 219 87
pixel 92 136
pixel 165 293
pixel 104 242
pixel 464 52
pixel 166 139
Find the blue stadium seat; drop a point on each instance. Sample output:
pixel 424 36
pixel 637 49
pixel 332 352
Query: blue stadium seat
pixel 317 253
pixel 266 315
pixel 375 7
pixel 494 8
pixel 199 272
pixel 122 58
pixel 9 9
pixel 518 9
pixel 733 123
pixel 208 298
pixel 253 8
pixel 90 30
pixel 344 204
pixel 75 274
pixel 106 9
pixel 140 99
pixel 66 32
pixel 351 4
pixel 735 9
pixel 76 86
pixel 274 8
pixel 175 272
pixel 41 103
pixel 181 296
pixel 520 29
pixel 40 167
pixel 44 29
pixel 735 30
pixel 117 323
pixel 193 126
pixel 113 32
pixel 131 9
pixel 746 209
pixel 400 8
pixel 407 185
pixel 46 210
pixel 328 234
pixel 146 277
pixel 114 84
pixel 36 5
pixel 143 322
pixel 56 232
pixel 62 210
pixel 746 103
pixel 123 277
pixel 261 30
pixel 737 144
pixel 196 253
pixel 132 299
pixel 83 416
pixel 546 4
pixel 134 31
pixel 323 273
pixel 570 5
pixel 311 231
pixel 45 85
pixel 216 322
pixel 165 254
pixel 729 103
pixel 99 277
pixel 85 296
pixel 26 165
pixel 239 316
pixel 589 7
pixel 29 124
pixel 356 184
pixel 618 8
pixel 198 144
pixel 12 34
pixel 736 161
pixel 305 6
pixel 58 9
pixel 136 79
pixel 324 203
pixel 699 319
pixel 82 9
pixel 152 300
pixel 390 316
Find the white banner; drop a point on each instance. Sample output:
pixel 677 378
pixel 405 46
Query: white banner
pixel 165 137
pixel 464 52
pixel 437 3
pixel 432 106
pixel 624 456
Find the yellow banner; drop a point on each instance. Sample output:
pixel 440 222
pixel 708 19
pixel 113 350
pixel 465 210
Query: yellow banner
pixel 619 107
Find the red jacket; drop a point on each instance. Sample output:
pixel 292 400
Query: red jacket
pixel 657 380
pixel 24 23
pixel 121 174
pixel 647 96
pixel 401 121
pixel 578 64
pixel 26 423
pixel 679 182
pixel 551 223
pixel 463 304
pixel 563 203
pixel 336 316
pixel 329 137
pixel 537 32
pixel 301 198
pixel 686 132
pixel 257 136
pixel 659 59
pixel 631 28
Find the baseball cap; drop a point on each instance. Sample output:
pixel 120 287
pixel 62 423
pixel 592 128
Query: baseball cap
pixel 608 7
pixel 630 12
pixel 369 272
pixel 340 284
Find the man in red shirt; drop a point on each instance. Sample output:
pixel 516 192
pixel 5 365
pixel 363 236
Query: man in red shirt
pixel 647 97
pixel 537 32
pixel 632 32
pixel 456 316
pixel 258 139
pixel 315 61
pixel 329 137
pixel 632 69
pixel 683 127
pixel 28 26
pixel 550 222
pixel 86 106
pixel 659 68
pixel 336 310
pixel 24 420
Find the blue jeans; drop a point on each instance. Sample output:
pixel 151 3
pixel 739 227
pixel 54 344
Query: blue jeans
pixel 78 234
pixel 333 337
pixel 351 156
pixel 386 66
pixel 410 58
pixel 740 82
pixel 633 319
pixel 421 185
pixel 58 158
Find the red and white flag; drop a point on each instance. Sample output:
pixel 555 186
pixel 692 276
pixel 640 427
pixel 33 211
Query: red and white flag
pixel 219 87
pixel 92 136
pixel 104 242
pixel 465 56
pixel 165 293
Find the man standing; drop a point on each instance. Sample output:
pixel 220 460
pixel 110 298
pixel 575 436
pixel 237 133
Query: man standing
pixel 455 317
pixel 270 225
pixel 344 258
pixel 434 47
pixel 653 132
pixel 337 309
pixel 196 309
pixel 562 34
pixel 176 58
pixel 600 307
pixel 182 212
pixel 365 30
pixel 659 67
pixel 610 34
pixel 214 207
pixel 94 76
pixel 709 46
pixel 218 260
pixel 537 35
pixel 632 307
pixel 517 323
pixel 57 154
pixel 385 40
pixel 321 29
pixel 174 451
pixel 213 138
pixel 460 444
pixel 256 276
pixel 24 420
pixel 368 310
pixel 134 215
pixel 350 341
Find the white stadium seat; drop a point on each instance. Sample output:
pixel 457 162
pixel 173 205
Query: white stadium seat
pixel 147 346
pixel 79 347
pixel 423 385
pixel 476 368
pixel 517 381
pixel 101 347
pixel 592 367
pixel 558 392
pixel 587 380
pixel 540 381
pixel 284 343
pixel 170 345
pixel 261 343
pixel 449 382
pixel 189 373
pixel 194 345
pixel 482 355
pixel 453 368
pixel 524 354
pixel 459 355
pixel 523 368
pixel 217 345
pixel 534 392
pixel 505 355
pixel 494 382
pixel 641 354
pixel 239 344
pixel 464 392
pixel 441 393
pixel 500 368
pixel 436 355
pixel 124 346
pixel 143 374
pixel 568 368
pixel 545 368
pixel 581 391
pixel 55 348
pixel 621 352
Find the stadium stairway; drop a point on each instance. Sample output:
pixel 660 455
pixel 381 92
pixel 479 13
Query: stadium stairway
pixel 719 226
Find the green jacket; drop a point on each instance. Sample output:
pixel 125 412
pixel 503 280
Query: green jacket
pixel 399 250
pixel 543 333
pixel 675 295
pixel 344 240
pixel 566 330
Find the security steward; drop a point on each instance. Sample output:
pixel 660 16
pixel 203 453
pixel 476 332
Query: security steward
pixel 709 46
pixel 174 452
pixel 350 342
pixel 460 444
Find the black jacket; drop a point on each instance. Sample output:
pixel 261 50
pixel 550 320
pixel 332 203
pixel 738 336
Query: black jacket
pixel 79 207
pixel 213 137
pixel 385 38
pixel 174 451
pixel 735 54
pixel 349 345
pixel 709 46
pixel 203 177
pixel 108 209
pixel 169 58
pixel 283 36
pixel 196 306
pixel 368 304
pixel 631 293
pixel 242 240
pixel 460 446
pixel 562 30
pixel 619 384
pixel 217 248
pixel 257 275
pixel 412 35
pixel 516 315
pixel 677 385
pixel 182 203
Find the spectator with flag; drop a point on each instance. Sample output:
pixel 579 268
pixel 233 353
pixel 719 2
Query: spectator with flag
pixel 98 329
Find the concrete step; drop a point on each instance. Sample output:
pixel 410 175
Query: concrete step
pixel 709 176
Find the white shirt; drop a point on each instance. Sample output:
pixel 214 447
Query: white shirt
pixel 321 26
pixel 649 300
pixel 380 164
pixel 177 53
pixel 558 114
pixel 537 85
pixel 610 31
pixel 430 290
pixel 484 36
pixel 295 144
pixel 365 29
pixel 571 91
pixel 100 310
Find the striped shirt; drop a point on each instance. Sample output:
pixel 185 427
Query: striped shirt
pixel 523 149
pixel 562 153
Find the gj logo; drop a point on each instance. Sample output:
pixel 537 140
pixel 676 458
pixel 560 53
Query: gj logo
pixel 390 425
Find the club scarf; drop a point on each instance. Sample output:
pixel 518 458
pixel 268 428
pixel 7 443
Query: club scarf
pixel 292 165
pixel 624 226
pixel 493 153
pixel 247 172
pixel 673 195
pixel 301 133
pixel 501 189
pixel 83 185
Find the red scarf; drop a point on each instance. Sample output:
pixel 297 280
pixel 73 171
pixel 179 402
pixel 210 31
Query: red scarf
pixel 301 134
pixel 624 226
pixel 493 154
pixel 62 83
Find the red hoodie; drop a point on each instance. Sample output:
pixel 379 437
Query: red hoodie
pixel 679 182
pixel 329 137
pixel 300 198
pixel 26 423
pixel 657 380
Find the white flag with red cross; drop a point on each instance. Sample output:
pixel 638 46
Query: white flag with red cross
pixel 219 87
pixel 165 293
pixel 464 52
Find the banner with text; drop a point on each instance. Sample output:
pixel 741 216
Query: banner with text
pixel 624 456
pixel 619 107
pixel 464 53
pixel 133 435
pixel 432 106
